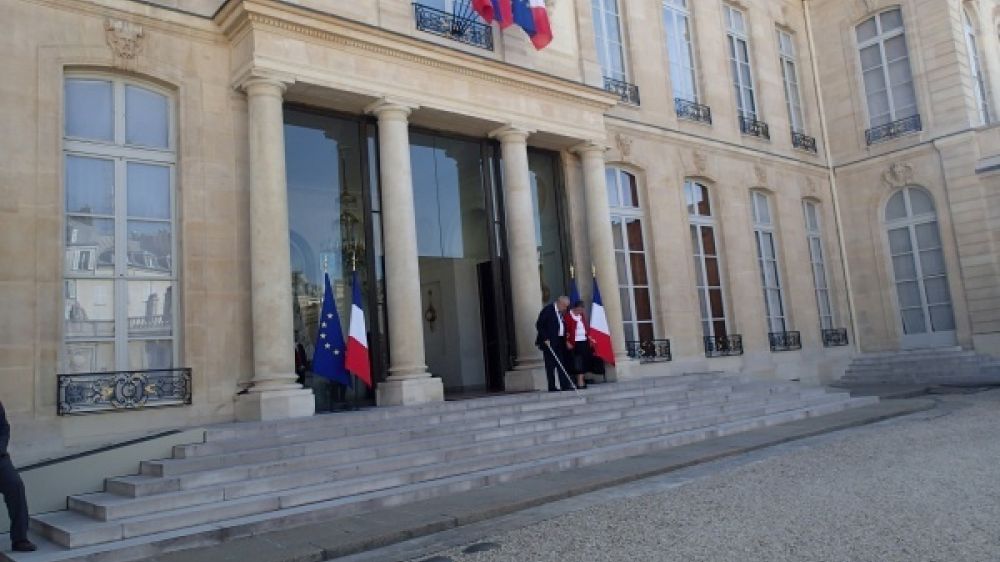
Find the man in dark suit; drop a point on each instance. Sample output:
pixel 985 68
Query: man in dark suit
pixel 552 332
pixel 12 489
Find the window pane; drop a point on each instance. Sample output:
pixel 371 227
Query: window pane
pixel 150 308
pixel 148 191
pixel 149 248
pixel 630 195
pixel 638 261
pixel 643 310
pixel 704 205
pixel 621 261
pixel 913 321
pixel 146 118
pixel 763 208
pixel 903 267
pixel 626 304
pixel 152 354
pixel 634 228
pixel 699 272
pixel 708 241
pixel 899 241
pixel 895 48
pixel 611 178
pixel 629 331
pixel 89 308
pixel 616 233
pixel 942 319
pixel 871 58
pixel 715 301
pixel 927 236
pixel 90 186
pixel 896 208
pixel 645 331
pixel 90 246
pixel 88 357
pixel 720 328
pixel 695 248
pixel 920 202
pixel 712 271
pixel 909 294
pixel 89 113
pixel 936 290
pixel 867 30
pixel 703 304
pixel 893 19
pixel 932 262
pixel 820 272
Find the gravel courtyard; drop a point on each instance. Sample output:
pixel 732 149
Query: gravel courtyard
pixel 923 488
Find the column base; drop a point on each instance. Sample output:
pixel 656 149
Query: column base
pixel 623 370
pixel 402 392
pixel 525 380
pixel 275 405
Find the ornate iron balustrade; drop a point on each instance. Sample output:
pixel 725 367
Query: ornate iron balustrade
pixel 803 141
pixel 461 25
pixel 892 130
pixel 87 393
pixel 723 346
pixel 835 337
pixel 754 128
pixel 649 351
pixel 629 93
pixel 785 341
pixel 693 111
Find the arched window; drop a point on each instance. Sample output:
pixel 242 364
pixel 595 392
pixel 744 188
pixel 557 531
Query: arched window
pixel 918 269
pixel 738 37
pixel 707 260
pixel 630 255
pixel 978 78
pixel 817 259
pixel 885 68
pixel 767 258
pixel 609 39
pixel 120 271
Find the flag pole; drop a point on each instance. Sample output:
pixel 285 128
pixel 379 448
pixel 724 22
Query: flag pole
pixel 353 403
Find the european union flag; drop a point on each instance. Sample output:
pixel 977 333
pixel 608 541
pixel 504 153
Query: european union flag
pixel 328 359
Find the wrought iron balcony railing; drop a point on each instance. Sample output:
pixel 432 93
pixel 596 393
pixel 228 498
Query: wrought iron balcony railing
pixel 752 127
pixel 803 141
pixel 629 93
pixel 87 393
pixel 835 337
pixel 785 341
pixel 892 130
pixel 723 346
pixel 693 111
pixel 461 24
pixel 649 351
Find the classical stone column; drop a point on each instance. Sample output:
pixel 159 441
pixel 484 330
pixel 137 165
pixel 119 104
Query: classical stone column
pixel 408 381
pixel 274 394
pixel 602 250
pixel 522 251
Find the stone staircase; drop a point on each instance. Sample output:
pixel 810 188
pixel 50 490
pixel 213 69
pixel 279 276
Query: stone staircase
pixel 924 367
pixel 251 478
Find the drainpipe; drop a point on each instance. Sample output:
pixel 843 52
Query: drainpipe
pixel 833 179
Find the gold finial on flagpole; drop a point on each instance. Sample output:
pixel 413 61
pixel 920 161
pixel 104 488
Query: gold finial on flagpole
pixel 572 271
pixel 354 259
pixel 593 270
pixel 326 264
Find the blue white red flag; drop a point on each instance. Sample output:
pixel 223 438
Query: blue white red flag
pixel 357 338
pixel 328 358
pixel 574 293
pixel 499 11
pixel 599 331
pixel 533 18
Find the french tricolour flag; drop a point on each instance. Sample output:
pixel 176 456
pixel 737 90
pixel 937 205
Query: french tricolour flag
pixel 599 331
pixel 356 360
pixel 499 11
pixel 533 18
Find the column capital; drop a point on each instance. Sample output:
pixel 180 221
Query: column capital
pixel 265 85
pixel 387 108
pixel 511 133
pixel 590 148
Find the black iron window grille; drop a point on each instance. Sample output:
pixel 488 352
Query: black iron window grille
pixel 752 127
pixel 785 341
pixel 803 141
pixel 629 93
pixel 835 337
pixel 723 346
pixel 87 393
pixel 892 130
pixel 461 24
pixel 693 111
pixel 649 351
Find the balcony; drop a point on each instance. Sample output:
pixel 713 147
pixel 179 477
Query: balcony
pixel 723 346
pixel 86 393
pixel 461 24
pixel 649 351
pixel 629 93
pixel 785 341
pixel 835 337
pixel 692 111
pixel 803 141
pixel 893 130
pixel 751 127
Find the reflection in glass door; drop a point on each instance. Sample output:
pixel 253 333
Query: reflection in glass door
pixel 918 269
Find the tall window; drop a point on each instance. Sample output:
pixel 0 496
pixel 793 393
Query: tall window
pixel 885 68
pixel 739 62
pixel 120 275
pixel 767 258
pixel 707 260
pixel 677 22
pixel 978 79
pixel 608 35
pixel 814 237
pixel 790 77
pixel 630 255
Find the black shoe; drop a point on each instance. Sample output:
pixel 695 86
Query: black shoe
pixel 553 390
pixel 24 546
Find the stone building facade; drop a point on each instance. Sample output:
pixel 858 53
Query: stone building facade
pixel 747 180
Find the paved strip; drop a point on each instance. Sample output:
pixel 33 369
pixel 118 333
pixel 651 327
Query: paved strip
pixel 356 534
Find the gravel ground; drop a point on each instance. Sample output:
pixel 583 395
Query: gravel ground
pixel 919 489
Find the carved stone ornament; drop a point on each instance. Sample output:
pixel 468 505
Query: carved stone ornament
pixel 624 145
pixel 760 173
pixel 700 162
pixel 125 39
pixel 898 175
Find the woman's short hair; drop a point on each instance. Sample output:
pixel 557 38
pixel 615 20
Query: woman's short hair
pixel 578 304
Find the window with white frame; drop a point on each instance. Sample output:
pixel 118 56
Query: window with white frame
pixel 680 49
pixel 978 78
pixel 885 68
pixel 120 272
pixel 790 78
pixel 739 62
pixel 767 258
pixel 630 255
pixel 707 260
pixel 608 35
pixel 817 258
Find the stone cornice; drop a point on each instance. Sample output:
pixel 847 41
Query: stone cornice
pixel 156 18
pixel 237 16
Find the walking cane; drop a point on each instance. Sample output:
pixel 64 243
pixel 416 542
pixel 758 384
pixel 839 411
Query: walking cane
pixel 561 368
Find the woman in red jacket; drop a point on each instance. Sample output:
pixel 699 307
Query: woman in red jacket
pixel 578 342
